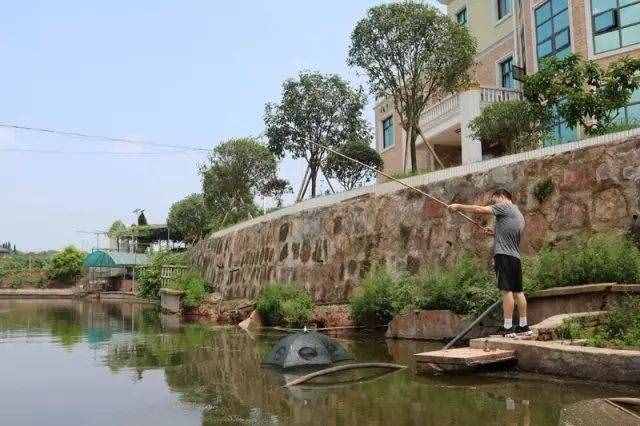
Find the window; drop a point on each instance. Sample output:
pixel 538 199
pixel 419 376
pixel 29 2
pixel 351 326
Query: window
pixel 560 132
pixel 630 113
pixel 504 8
pixel 387 133
pixel 461 17
pixel 506 74
pixel 615 23
pixel 553 36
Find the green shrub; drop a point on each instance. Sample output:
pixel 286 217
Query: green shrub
pixel 543 190
pixel 380 297
pixel 194 287
pixel 619 329
pixel 467 288
pixel 148 277
pixel 591 259
pixel 284 304
pixel 66 265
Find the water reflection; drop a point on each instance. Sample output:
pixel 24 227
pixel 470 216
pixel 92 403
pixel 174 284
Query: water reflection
pixel 193 374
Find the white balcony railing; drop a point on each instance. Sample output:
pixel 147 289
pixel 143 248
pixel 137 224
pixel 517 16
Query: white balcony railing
pixel 489 95
pixel 442 108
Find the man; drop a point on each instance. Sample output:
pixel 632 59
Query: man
pixel 509 224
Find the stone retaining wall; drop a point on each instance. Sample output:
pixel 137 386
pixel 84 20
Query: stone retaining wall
pixel 327 245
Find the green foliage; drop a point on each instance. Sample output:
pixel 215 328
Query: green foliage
pixel 66 265
pixel 581 91
pixel 379 297
pixel 194 287
pixel 510 127
pixel 148 277
pixel 284 304
pixel 543 190
pixel 237 170
pixel 619 329
pixel 467 288
pixel 412 53
pixel 349 173
pixel 188 219
pixel 117 229
pixel 277 188
pixel 315 109
pixel 594 258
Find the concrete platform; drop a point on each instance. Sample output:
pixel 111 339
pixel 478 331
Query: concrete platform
pixel 567 360
pixel 460 359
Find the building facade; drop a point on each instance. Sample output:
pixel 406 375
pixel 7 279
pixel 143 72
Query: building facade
pixel 512 33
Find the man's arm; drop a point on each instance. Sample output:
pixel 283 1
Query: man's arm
pixel 471 208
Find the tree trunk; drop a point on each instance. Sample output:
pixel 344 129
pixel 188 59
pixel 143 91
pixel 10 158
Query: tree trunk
pixel 430 147
pixel 313 177
pixel 412 146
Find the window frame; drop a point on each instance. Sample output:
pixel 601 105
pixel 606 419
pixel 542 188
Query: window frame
pixel 462 12
pixel 508 74
pixel 508 9
pixel 389 120
pixel 554 33
pixel 618 27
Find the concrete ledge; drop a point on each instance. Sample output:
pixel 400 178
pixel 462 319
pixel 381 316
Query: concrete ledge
pixel 560 359
pixel 572 290
pixel 430 325
pixel 35 293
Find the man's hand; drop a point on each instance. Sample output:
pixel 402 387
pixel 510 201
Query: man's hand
pixel 488 231
pixel 455 207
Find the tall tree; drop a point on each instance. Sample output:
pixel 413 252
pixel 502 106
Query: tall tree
pixel 581 91
pixel 188 219
pixel 315 107
pixel 236 172
pixel 349 173
pixel 412 54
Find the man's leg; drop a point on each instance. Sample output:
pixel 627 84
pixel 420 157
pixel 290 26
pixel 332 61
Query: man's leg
pixel 521 301
pixel 507 309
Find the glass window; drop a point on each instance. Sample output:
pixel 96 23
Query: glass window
pixel 387 133
pixel 630 15
pixel 630 35
pixel 506 73
pixel 504 8
pixel 606 41
pixel 615 24
pixel 553 37
pixel 599 6
pixel 461 17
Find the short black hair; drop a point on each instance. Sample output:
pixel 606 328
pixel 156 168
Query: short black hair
pixel 502 192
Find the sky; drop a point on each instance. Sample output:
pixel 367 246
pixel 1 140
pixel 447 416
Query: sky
pixel 187 73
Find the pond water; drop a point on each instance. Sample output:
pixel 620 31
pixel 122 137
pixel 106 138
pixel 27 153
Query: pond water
pixel 100 363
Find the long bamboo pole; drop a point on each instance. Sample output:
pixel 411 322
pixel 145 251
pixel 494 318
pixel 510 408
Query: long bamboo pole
pixel 431 197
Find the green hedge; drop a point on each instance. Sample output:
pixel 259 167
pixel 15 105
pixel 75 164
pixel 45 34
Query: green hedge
pixel 148 277
pixel 285 304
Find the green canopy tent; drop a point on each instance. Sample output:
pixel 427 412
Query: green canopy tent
pixel 113 267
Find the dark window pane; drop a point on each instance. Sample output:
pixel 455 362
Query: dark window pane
pixel 558 5
pixel 630 15
pixel 461 17
pixel 544 31
pixel 504 8
pixel 543 13
pixel 630 35
pixel 561 21
pixel 563 53
pixel 598 6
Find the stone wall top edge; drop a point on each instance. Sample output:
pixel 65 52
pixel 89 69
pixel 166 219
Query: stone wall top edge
pixel 439 176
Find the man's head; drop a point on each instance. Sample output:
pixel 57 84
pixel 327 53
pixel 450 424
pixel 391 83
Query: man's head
pixel 501 196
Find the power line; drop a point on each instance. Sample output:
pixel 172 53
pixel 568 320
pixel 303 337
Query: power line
pixel 103 138
pixel 116 153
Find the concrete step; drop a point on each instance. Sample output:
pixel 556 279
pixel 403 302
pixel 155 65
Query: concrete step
pixel 459 359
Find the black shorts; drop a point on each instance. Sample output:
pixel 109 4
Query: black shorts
pixel 509 272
